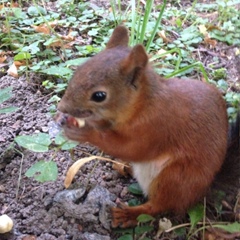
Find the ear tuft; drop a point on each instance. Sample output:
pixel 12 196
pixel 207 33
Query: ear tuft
pixel 119 37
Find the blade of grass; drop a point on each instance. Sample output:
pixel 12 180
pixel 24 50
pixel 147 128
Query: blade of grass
pixel 147 13
pixel 177 50
pixel 196 64
pixel 156 26
pixel 134 15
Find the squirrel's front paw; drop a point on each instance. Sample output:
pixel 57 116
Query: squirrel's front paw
pixel 122 217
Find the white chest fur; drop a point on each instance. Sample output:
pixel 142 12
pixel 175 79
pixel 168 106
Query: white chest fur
pixel 145 172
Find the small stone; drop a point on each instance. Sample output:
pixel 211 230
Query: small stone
pixel 124 192
pixel 45 129
pixel 2 188
pixel 69 195
pixel 93 236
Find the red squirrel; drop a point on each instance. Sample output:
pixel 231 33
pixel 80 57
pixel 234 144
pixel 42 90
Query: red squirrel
pixel 173 132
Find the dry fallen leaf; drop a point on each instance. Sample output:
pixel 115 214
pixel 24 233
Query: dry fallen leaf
pixel 218 234
pixel 29 237
pixel 45 27
pixel 78 164
pixel 2 59
pixel 12 71
pixel 14 4
pixel 69 37
pixel 207 40
pixel 210 236
pixel 19 63
pixel 213 27
pixel 53 23
pixel 74 169
pixel 163 36
pixel 125 170
pixel 57 43
pixel 203 29
pixel 237 52
pixel 162 51
pixel 42 29
pixel 211 42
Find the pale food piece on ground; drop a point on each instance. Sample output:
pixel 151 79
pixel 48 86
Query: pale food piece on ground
pixel 6 223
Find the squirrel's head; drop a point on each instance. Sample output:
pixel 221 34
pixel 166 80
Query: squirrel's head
pixel 106 88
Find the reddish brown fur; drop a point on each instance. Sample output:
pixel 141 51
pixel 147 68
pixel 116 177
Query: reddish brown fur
pixel 146 116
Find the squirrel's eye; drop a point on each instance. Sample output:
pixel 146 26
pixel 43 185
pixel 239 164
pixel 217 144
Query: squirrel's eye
pixel 98 96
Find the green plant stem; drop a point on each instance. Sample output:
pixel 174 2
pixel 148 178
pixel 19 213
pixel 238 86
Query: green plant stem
pixel 204 217
pixel 113 6
pixel 133 4
pixel 20 172
pixel 189 12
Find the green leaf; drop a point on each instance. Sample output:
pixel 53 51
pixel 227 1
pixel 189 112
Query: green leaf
pixel 133 202
pixel 18 13
pixel 36 10
pixel 5 94
pixel 93 32
pixel 33 48
pixel 60 87
pixel 36 143
pixel 54 98
pixel 76 62
pixel 231 228
pixel 231 111
pixel 58 71
pixel 64 143
pixel 126 237
pixel 222 84
pixel 22 56
pixel 60 139
pixel 43 171
pixel 125 231
pixel 69 145
pixel 178 22
pixel 196 214
pixel 135 189
pixel 143 229
pixel 180 231
pixel 143 218
pixel 8 109
pixel 51 40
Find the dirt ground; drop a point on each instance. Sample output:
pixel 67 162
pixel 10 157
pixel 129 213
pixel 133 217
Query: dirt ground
pixel 46 211
pixel 30 204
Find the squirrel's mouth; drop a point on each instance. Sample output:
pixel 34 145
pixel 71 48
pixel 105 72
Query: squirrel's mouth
pixel 67 120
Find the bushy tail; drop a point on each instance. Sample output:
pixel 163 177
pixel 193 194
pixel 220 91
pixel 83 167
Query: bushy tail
pixel 226 186
pixel 229 175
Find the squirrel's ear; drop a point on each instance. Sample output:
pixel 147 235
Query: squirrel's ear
pixel 136 60
pixel 119 37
